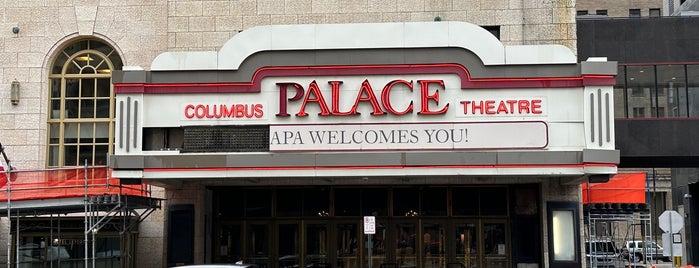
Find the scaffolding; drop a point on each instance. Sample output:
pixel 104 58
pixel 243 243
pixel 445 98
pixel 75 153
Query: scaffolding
pixel 88 192
pixel 618 228
pixel 616 212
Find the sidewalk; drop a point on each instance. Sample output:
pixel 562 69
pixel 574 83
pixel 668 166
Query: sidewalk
pixel 651 264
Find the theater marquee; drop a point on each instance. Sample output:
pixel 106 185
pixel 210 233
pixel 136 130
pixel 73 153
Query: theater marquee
pixel 382 112
pixel 266 101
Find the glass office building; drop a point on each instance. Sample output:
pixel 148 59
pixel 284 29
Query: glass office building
pixel 656 103
pixel 657 91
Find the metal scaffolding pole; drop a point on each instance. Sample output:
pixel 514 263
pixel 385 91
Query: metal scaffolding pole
pixel 9 213
pixel 16 238
pixel 86 215
pixel 9 221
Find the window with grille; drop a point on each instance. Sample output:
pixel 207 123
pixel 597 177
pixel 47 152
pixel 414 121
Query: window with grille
pixel 253 138
pixel 81 113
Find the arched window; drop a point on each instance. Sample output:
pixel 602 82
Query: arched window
pixel 81 104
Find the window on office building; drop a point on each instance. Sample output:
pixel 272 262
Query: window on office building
pixel 620 100
pixel 654 12
pixel 672 91
pixel 581 12
pixel 81 113
pixel 639 112
pixel 601 12
pixel 693 89
pixel 634 13
pixel 640 83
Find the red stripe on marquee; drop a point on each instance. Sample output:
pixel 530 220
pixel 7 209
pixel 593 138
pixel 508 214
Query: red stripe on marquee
pixel 378 167
pixel 347 70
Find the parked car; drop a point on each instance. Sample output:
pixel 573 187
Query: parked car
pixel 218 266
pixel 634 250
pixel 602 253
pixel 211 266
pixel 238 264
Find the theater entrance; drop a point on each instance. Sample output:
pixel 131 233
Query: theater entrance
pixel 406 244
pixel 326 228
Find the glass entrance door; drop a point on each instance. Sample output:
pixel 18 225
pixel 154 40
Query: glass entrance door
pixel 347 245
pixel 375 246
pixel 257 244
pixel 495 246
pixel 229 243
pixel 467 249
pixel 317 245
pixel 288 245
pixel 433 245
pixel 482 243
pixel 406 244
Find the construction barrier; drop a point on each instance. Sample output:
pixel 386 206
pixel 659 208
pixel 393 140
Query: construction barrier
pixel 621 188
pixel 64 183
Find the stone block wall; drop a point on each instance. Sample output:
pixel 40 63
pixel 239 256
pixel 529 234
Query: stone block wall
pixel 142 29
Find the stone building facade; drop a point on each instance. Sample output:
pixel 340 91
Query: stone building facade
pixel 37 31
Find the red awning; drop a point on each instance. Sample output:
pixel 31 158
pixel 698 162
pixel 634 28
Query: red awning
pixel 64 183
pixel 622 188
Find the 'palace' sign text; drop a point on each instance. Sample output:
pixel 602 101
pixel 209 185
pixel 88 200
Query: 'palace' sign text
pixel 381 105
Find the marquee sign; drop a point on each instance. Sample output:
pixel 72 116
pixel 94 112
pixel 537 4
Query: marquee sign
pixel 459 90
pixel 359 137
pixel 380 112
pixel 381 108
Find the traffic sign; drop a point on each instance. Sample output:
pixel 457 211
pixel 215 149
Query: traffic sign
pixel 369 225
pixel 671 221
